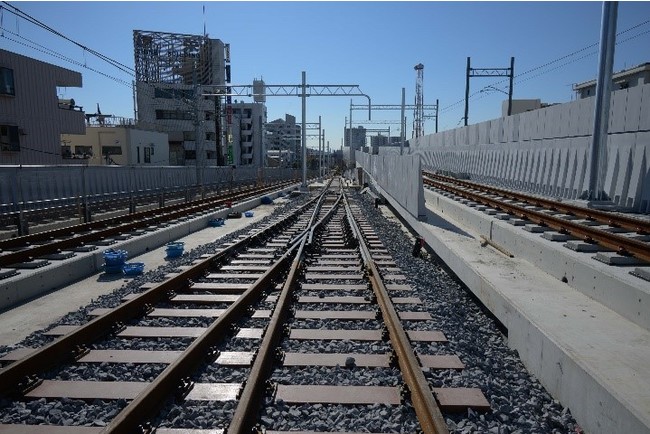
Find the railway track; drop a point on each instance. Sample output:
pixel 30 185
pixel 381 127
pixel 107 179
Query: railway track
pixel 37 250
pixel 240 339
pixel 583 229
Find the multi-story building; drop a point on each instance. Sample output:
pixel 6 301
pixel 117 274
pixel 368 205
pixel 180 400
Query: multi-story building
pixel 636 76
pixel 32 116
pixel 173 71
pixel 245 133
pixel 357 138
pixel 283 135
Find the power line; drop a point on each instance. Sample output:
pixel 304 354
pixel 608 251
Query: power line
pixel 35 21
pixel 559 59
pixel 53 53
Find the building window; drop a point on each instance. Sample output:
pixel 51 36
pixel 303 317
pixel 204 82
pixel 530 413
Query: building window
pixel 190 155
pixel 147 154
pixel 211 155
pixel 111 150
pixel 83 151
pixel 66 153
pixel 9 138
pixel 174 115
pixel 7 81
pixel 173 93
pixel 189 135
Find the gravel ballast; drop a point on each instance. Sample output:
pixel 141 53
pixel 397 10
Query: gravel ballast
pixel 520 405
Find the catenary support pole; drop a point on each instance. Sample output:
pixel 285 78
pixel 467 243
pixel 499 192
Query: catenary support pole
pixel 467 91
pixel 512 75
pixel 598 149
pixel 304 129
pixel 403 127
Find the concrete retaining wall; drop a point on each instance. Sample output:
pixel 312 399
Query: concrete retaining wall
pixel 399 176
pixel 546 151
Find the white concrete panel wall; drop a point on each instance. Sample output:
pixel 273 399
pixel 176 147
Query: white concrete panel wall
pixel 473 134
pixel 633 113
pixel 618 108
pixel 644 118
pixel 640 173
pixel 546 151
pixel 398 175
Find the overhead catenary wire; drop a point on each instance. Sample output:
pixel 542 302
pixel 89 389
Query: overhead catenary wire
pixel 552 62
pixel 19 13
pixel 45 50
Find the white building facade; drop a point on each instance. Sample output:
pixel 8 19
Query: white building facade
pixel 245 133
pixel 117 144
pixel 283 138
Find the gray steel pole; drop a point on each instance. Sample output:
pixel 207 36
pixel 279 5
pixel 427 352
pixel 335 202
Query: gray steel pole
pixel 512 77
pixel 353 158
pixel 321 157
pixel 320 137
pixel 403 128
pixel 598 149
pixel 304 129
pixel 467 91
pixel 437 112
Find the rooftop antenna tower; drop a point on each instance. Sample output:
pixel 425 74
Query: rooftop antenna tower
pixel 418 112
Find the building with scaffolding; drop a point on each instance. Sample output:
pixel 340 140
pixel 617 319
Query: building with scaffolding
pixel 173 71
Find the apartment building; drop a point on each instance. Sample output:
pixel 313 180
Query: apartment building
pixel 283 136
pixel 245 133
pixel 32 116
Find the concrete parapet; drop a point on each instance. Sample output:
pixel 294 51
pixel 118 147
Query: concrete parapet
pixel 552 146
pixel 399 175
pixel 33 283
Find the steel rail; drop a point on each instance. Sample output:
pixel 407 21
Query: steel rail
pixel 620 244
pixel 64 348
pixel 148 402
pixel 632 224
pixel 252 395
pixel 25 240
pixel 424 403
pixel 98 230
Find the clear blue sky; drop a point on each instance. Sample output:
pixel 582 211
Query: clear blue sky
pixel 372 44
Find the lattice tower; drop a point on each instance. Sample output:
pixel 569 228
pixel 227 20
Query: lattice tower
pixel 418 111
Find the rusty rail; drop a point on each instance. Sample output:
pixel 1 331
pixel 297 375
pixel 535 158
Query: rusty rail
pixel 631 224
pixel 245 416
pixel 424 403
pixel 89 232
pixel 617 243
pixel 64 347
